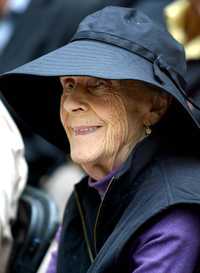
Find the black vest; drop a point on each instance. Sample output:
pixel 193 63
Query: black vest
pixel 96 235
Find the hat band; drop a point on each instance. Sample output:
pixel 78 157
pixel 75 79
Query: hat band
pixel 156 60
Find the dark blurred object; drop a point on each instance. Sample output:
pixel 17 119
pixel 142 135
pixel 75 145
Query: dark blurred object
pixel 43 157
pixel 44 26
pixel 36 225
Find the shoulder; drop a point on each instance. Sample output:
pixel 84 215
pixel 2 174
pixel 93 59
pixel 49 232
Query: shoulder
pixel 167 181
pixel 179 177
pixel 182 222
pixel 173 237
pixel 175 164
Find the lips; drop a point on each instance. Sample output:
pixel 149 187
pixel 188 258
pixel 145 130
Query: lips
pixel 84 130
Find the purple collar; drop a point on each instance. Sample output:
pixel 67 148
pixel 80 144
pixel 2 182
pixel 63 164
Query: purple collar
pixel 102 184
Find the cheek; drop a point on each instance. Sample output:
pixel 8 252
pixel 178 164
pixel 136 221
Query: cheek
pixel 63 114
pixel 115 116
pixel 125 123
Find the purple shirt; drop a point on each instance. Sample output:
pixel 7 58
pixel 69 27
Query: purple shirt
pixel 54 255
pixel 170 245
pixel 102 184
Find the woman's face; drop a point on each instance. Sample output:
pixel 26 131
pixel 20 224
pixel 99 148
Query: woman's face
pixel 103 119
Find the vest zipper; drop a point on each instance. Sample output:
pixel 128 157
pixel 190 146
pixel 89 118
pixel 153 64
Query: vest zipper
pixel 98 213
pixel 84 228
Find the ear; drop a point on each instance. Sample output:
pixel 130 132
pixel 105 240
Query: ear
pixel 159 106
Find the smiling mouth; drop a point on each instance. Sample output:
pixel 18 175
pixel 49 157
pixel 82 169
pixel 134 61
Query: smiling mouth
pixel 84 130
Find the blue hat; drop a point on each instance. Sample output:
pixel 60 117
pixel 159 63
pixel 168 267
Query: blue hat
pixel 113 43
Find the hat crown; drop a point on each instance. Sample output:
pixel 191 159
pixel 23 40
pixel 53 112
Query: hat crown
pixel 134 26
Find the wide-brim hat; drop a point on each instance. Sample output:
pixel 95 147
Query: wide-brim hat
pixel 113 43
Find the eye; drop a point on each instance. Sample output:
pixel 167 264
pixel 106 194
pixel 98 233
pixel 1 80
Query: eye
pixel 68 85
pixel 98 86
pixel 102 84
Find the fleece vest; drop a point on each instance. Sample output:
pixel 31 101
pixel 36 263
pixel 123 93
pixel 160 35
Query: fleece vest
pixel 97 235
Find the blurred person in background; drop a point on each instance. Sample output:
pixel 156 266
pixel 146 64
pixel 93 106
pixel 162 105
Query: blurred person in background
pixel 183 22
pixel 13 177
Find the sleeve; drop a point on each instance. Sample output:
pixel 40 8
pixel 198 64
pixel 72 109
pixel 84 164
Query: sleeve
pixel 13 173
pixel 171 244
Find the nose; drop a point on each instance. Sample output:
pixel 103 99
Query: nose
pixel 75 102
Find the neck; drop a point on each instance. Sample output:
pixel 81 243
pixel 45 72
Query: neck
pixel 102 167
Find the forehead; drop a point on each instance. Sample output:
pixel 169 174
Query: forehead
pixel 76 78
pixel 86 79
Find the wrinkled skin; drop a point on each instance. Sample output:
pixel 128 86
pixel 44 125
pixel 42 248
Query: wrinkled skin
pixel 104 119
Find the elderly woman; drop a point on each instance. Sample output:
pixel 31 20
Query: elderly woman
pixel 125 113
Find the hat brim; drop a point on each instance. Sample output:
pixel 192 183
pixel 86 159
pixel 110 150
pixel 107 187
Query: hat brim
pixel 37 84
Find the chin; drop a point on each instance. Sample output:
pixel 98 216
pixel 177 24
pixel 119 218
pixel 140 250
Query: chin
pixel 84 157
